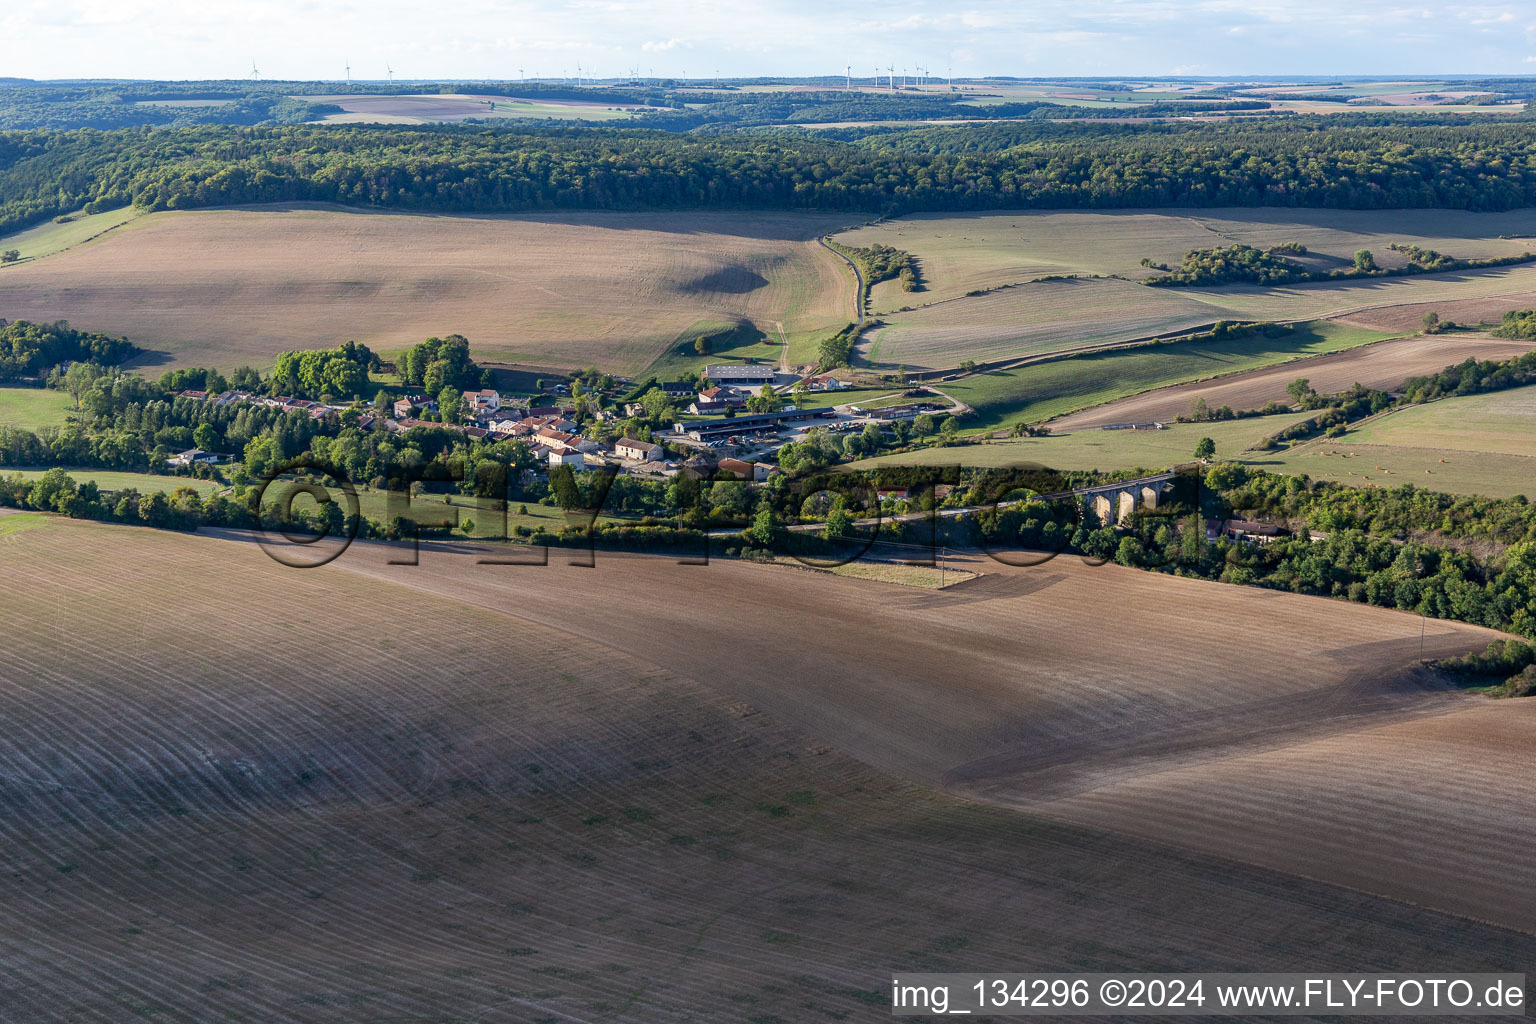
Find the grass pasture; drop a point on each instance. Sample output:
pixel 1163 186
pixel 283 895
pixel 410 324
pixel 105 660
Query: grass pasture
pixel 1498 423
pixel 33 408
pixel 1474 444
pixel 46 239
pixel 112 480
pixel 226 287
pixel 1053 388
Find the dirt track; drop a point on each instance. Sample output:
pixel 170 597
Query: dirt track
pixel 571 793
pixel 1384 365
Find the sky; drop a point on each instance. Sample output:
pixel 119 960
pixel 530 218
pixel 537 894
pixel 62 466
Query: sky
pixel 476 39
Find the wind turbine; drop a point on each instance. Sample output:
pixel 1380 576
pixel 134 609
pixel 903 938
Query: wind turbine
pixel 891 70
pixel 578 74
pixel 255 75
pixel 520 77
pixel 848 74
pixel 349 72
pixel 389 71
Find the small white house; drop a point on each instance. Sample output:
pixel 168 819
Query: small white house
pixel 190 456
pixel 639 451
pixel 568 457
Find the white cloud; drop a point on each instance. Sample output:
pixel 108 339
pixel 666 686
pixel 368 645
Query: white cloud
pixel 309 38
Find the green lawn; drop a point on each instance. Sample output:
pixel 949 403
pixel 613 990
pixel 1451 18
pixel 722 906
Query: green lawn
pixel 31 408
pixel 1054 388
pixel 110 480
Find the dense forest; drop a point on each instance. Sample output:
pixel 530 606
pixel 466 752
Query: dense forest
pixel 479 168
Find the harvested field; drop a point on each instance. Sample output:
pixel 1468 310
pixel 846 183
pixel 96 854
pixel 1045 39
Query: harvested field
pixel 1031 319
pixel 1107 449
pixel 985 250
pixel 1002 251
pixel 1384 365
pixel 376 802
pixel 1049 388
pixel 225 287
pixel 1408 317
pixel 424 109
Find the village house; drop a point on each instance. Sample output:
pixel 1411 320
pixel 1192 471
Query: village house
pixel 409 405
pixel 568 457
pixel 1244 530
pixel 824 382
pixel 755 472
pixel 639 451
pixel 190 456
pixel 482 402
pixel 678 388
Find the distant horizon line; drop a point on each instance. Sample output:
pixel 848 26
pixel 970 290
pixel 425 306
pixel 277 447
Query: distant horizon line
pixel 830 76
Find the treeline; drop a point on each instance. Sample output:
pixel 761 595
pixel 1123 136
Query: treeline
pixel 27 349
pixel 142 104
pixel 1473 377
pixel 478 168
pixel 1517 323
pixel 1229 264
pixel 882 263
pixel 105 109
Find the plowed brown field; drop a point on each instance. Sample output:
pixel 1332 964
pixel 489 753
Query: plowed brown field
pixel 651 792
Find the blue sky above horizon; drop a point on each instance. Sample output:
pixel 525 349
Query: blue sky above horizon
pixel 472 39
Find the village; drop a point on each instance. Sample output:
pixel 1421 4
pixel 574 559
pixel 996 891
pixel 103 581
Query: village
pixel 714 430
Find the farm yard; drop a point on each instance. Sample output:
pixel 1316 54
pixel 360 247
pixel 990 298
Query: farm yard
pixel 388 823
pixel 238 286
